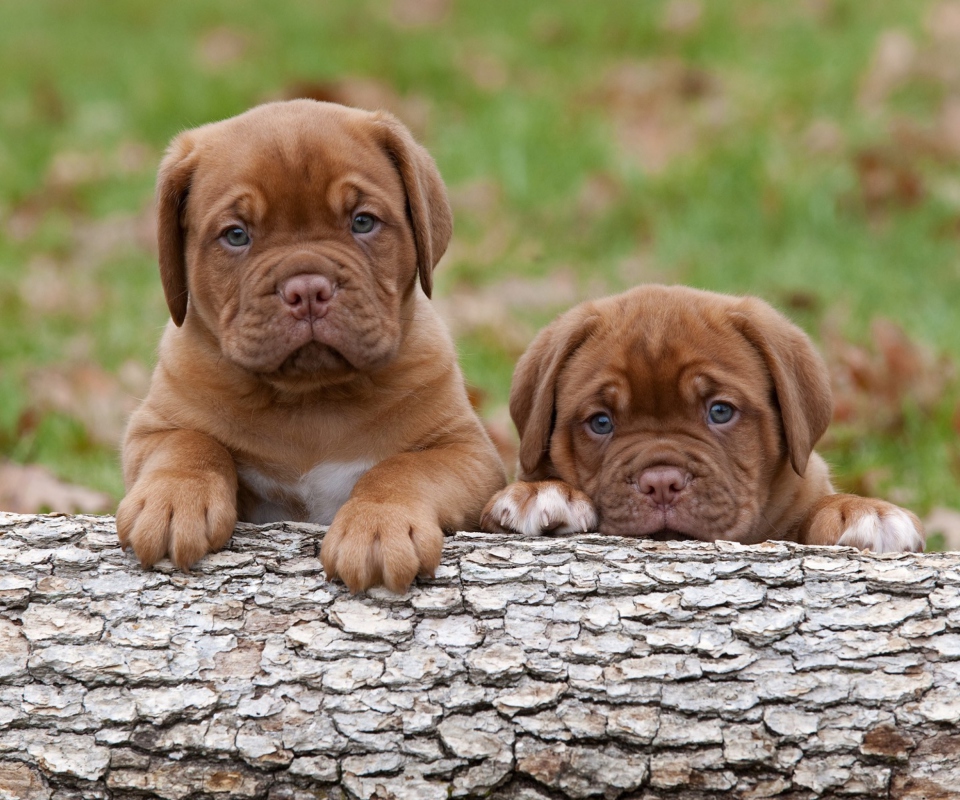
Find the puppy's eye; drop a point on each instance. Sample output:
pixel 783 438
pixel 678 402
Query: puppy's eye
pixel 363 223
pixel 601 424
pixel 236 236
pixel 720 413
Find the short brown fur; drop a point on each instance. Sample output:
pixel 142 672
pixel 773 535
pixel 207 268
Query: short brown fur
pixel 654 359
pixel 247 400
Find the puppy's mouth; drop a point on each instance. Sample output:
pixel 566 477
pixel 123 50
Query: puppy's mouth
pixel 312 358
pixel 658 529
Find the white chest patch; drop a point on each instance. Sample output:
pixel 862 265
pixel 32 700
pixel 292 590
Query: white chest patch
pixel 321 491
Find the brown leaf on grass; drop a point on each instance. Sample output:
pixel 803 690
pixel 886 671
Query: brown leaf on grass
pixel 29 489
pixel 681 17
pixel 221 47
pixel 893 61
pixel 599 192
pixel 946 522
pixel 367 93
pixel 824 137
pixel 481 198
pixel 419 13
pixel 48 287
pixel 71 284
pixel 97 240
pixel 887 181
pixel 873 385
pixel 801 300
pixel 497 311
pixel 102 402
pixel 661 109
pixel 487 72
pixel 940 140
pixel 69 173
pixel 942 22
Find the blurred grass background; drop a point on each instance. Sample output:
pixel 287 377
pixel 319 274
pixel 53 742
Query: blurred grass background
pixel 806 151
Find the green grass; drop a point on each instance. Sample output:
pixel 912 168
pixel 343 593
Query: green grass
pixel 750 208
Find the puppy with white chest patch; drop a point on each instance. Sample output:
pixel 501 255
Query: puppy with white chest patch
pixel 669 412
pixel 304 376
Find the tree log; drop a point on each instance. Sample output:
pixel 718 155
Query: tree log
pixel 560 667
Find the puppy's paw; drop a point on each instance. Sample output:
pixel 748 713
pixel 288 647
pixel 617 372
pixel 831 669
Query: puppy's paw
pixel 538 507
pixel 184 516
pixel 375 543
pixel 867 524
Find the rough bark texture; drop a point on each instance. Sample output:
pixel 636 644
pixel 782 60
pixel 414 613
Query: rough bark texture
pixel 527 669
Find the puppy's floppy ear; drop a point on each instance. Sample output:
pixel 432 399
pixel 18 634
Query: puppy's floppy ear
pixel 427 203
pixel 801 380
pixel 173 186
pixel 533 390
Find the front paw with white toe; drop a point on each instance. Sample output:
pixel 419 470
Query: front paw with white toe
pixel 532 508
pixel 865 523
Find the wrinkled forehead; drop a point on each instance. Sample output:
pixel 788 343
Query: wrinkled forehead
pixel 294 156
pixel 658 360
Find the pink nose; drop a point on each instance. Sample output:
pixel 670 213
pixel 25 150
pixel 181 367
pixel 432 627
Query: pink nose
pixel 662 485
pixel 307 295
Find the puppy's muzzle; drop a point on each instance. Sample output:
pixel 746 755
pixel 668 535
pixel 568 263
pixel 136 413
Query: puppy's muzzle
pixel 662 486
pixel 306 296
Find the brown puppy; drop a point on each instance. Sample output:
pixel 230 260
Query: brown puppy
pixel 304 375
pixel 670 412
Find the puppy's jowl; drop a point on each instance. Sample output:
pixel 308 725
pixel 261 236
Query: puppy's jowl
pixel 670 412
pixel 304 375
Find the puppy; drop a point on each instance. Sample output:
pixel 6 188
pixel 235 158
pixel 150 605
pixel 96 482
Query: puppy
pixel 304 375
pixel 670 412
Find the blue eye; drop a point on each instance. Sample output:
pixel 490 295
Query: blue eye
pixel 363 223
pixel 236 236
pixel 601 424
pixel 720 413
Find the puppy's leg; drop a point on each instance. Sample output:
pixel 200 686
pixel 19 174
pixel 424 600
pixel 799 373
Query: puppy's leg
pixel 391 528
pixel 864 523
pixel 538 507
pixel 183 501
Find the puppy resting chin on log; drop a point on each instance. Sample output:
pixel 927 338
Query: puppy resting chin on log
pixel 669 412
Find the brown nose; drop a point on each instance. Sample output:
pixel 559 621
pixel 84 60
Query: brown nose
pixel 307 295
pixel 662 485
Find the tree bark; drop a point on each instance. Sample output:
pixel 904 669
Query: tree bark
pixel 565 667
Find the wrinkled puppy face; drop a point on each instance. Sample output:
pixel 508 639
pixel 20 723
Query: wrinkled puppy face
pixel 674 410
pixel 297 231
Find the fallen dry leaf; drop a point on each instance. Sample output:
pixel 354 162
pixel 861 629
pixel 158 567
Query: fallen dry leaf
pixel 481 198
pixel 30 489
pixel 498 310
pixel 599 192
pixel 894 58
pixel 367 93
pixel 681 17
pixel 66 178
pixel 70 284
pixel 873 385
pixel 419 13
pixel 887 181
pixel 824 137
pixel 942 22
pixel 939 140
pixel 661 109
pixel 487 72
pixel 221 47
pixel 102 402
